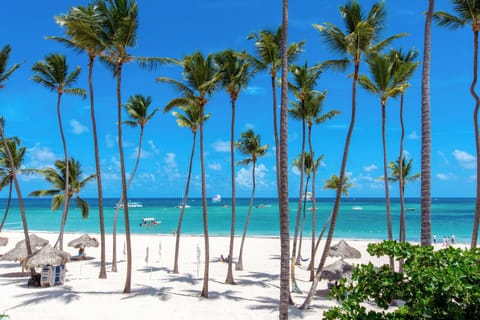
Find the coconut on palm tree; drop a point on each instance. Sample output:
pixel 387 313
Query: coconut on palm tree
pixel 361 36
pixel 201 80
pixel 5 73
pixel 467 12
pixel 58 178
pixel 189 117
pixel 54 74
pixel 84 33
pixel 6 174
pixel 236 71
pixel 249 145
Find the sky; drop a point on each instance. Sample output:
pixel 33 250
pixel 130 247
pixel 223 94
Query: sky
pixel 179 28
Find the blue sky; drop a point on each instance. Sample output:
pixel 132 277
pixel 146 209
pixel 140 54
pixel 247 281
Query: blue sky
pixel 178 28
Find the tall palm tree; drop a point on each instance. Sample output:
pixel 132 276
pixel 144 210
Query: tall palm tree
pixel 405 66
pixel 201 80
pixel 120 24
pixel 361 37
pixel 188 118
pixel 137 109
pixel 84 33
pixel 282 169
pixel 425 184
pixel 406 172
pixel 236 72
pixel 385 85
pixel 54 74
pixel 5 73
pixel 468 12
pixel 58 178
pixel 249 145
pixel 6 175
pixel 268 45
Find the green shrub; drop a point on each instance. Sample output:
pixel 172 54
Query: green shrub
pixel 442 284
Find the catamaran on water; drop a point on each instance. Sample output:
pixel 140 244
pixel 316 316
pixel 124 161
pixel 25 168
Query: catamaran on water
pixel 131 204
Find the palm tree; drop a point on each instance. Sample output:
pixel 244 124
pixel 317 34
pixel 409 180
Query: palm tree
pixel 5 73
pixel 385 85
pixel 137 109
pixel 236 72
pixel 83 28
pixel 268 45
pixel 201 80
pixel 249 145
pixel 334 181
pixel 406 172
pixel 54 74
pixel 6 174
pixel 120 24
pixel 190 118
pixel 468 12
pixel 425 184
pixel 404 69
pixel 282 172
pixel 361 37
pixel 58 178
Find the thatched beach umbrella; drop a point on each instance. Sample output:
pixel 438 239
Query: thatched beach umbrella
pixel 45 256
pixel 35 242
pixel 83 241
pixel 3 241
pixel 337 270
pixel 20 251
pixel 344 250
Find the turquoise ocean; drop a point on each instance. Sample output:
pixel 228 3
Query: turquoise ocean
pixel 360 218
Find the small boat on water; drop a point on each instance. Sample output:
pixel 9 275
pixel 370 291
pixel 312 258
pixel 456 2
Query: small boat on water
pixel 357 208
pixel 410 209
pixel 262 205
pixel 181 206
pixel 131 204
pixel 146 222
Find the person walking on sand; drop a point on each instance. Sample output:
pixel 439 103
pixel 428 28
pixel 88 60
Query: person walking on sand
pixel 434 239
pixel 453 239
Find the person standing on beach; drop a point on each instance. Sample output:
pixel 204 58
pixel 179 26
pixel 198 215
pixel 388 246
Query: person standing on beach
pixel 434 239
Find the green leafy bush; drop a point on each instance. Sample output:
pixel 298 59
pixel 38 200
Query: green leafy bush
pixel 442 284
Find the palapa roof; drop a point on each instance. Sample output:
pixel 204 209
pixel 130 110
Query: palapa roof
pixel 344 250
pixel 337 270
pixel 45 256
pixel 83 241
pixel 20 251
pixel 35 242
pixel 3 241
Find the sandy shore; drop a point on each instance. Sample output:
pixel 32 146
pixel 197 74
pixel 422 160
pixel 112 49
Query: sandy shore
pixel 156 292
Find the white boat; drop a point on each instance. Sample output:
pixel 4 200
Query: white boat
pixel 410 209
pixel 262 205
pixel 357 208
pixel 131 204
pixel 216 198
pixel 146 222
pixel 181 205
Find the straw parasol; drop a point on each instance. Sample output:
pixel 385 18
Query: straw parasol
pixel 35 242
pixel 45 256
pixel 83 241
pixel 3 241
pixel 20 251
pixel 337 270
pixel 344 250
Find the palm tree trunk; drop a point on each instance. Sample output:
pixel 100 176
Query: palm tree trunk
pixel 425 185
pixel 301 197
pixel 128 280
pixel 205 211
pixel 67 173
pixel 115 218
pixel 282 174
pixel 103 271
pixel 275 127
pixel 229 278
pixel 338 197
pixel 239 265
pixel 314 201
pixel 8 205
pixel 477 141
pixel 19 196
pixel 385 180
pixel 299 253
pixel 320 236
pixel 184 203
pixel 401 188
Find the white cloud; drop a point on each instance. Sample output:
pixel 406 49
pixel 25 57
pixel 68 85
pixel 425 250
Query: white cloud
pixel 221 146
pixel 215 166
pixel 465 159
pixel 370 168
pixel 295 171
pixel 77 127
pixel 254 90
pixel 244 176
pixel 413 135
pixel 40 157
pixel 153 147
pixel 170 168
pixel 445 176
pixel 110 141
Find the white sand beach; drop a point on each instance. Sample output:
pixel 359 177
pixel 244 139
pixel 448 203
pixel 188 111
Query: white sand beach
pixel 156 292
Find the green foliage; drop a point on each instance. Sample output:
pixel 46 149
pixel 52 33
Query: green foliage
pixel 4 316
pixel 442 284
